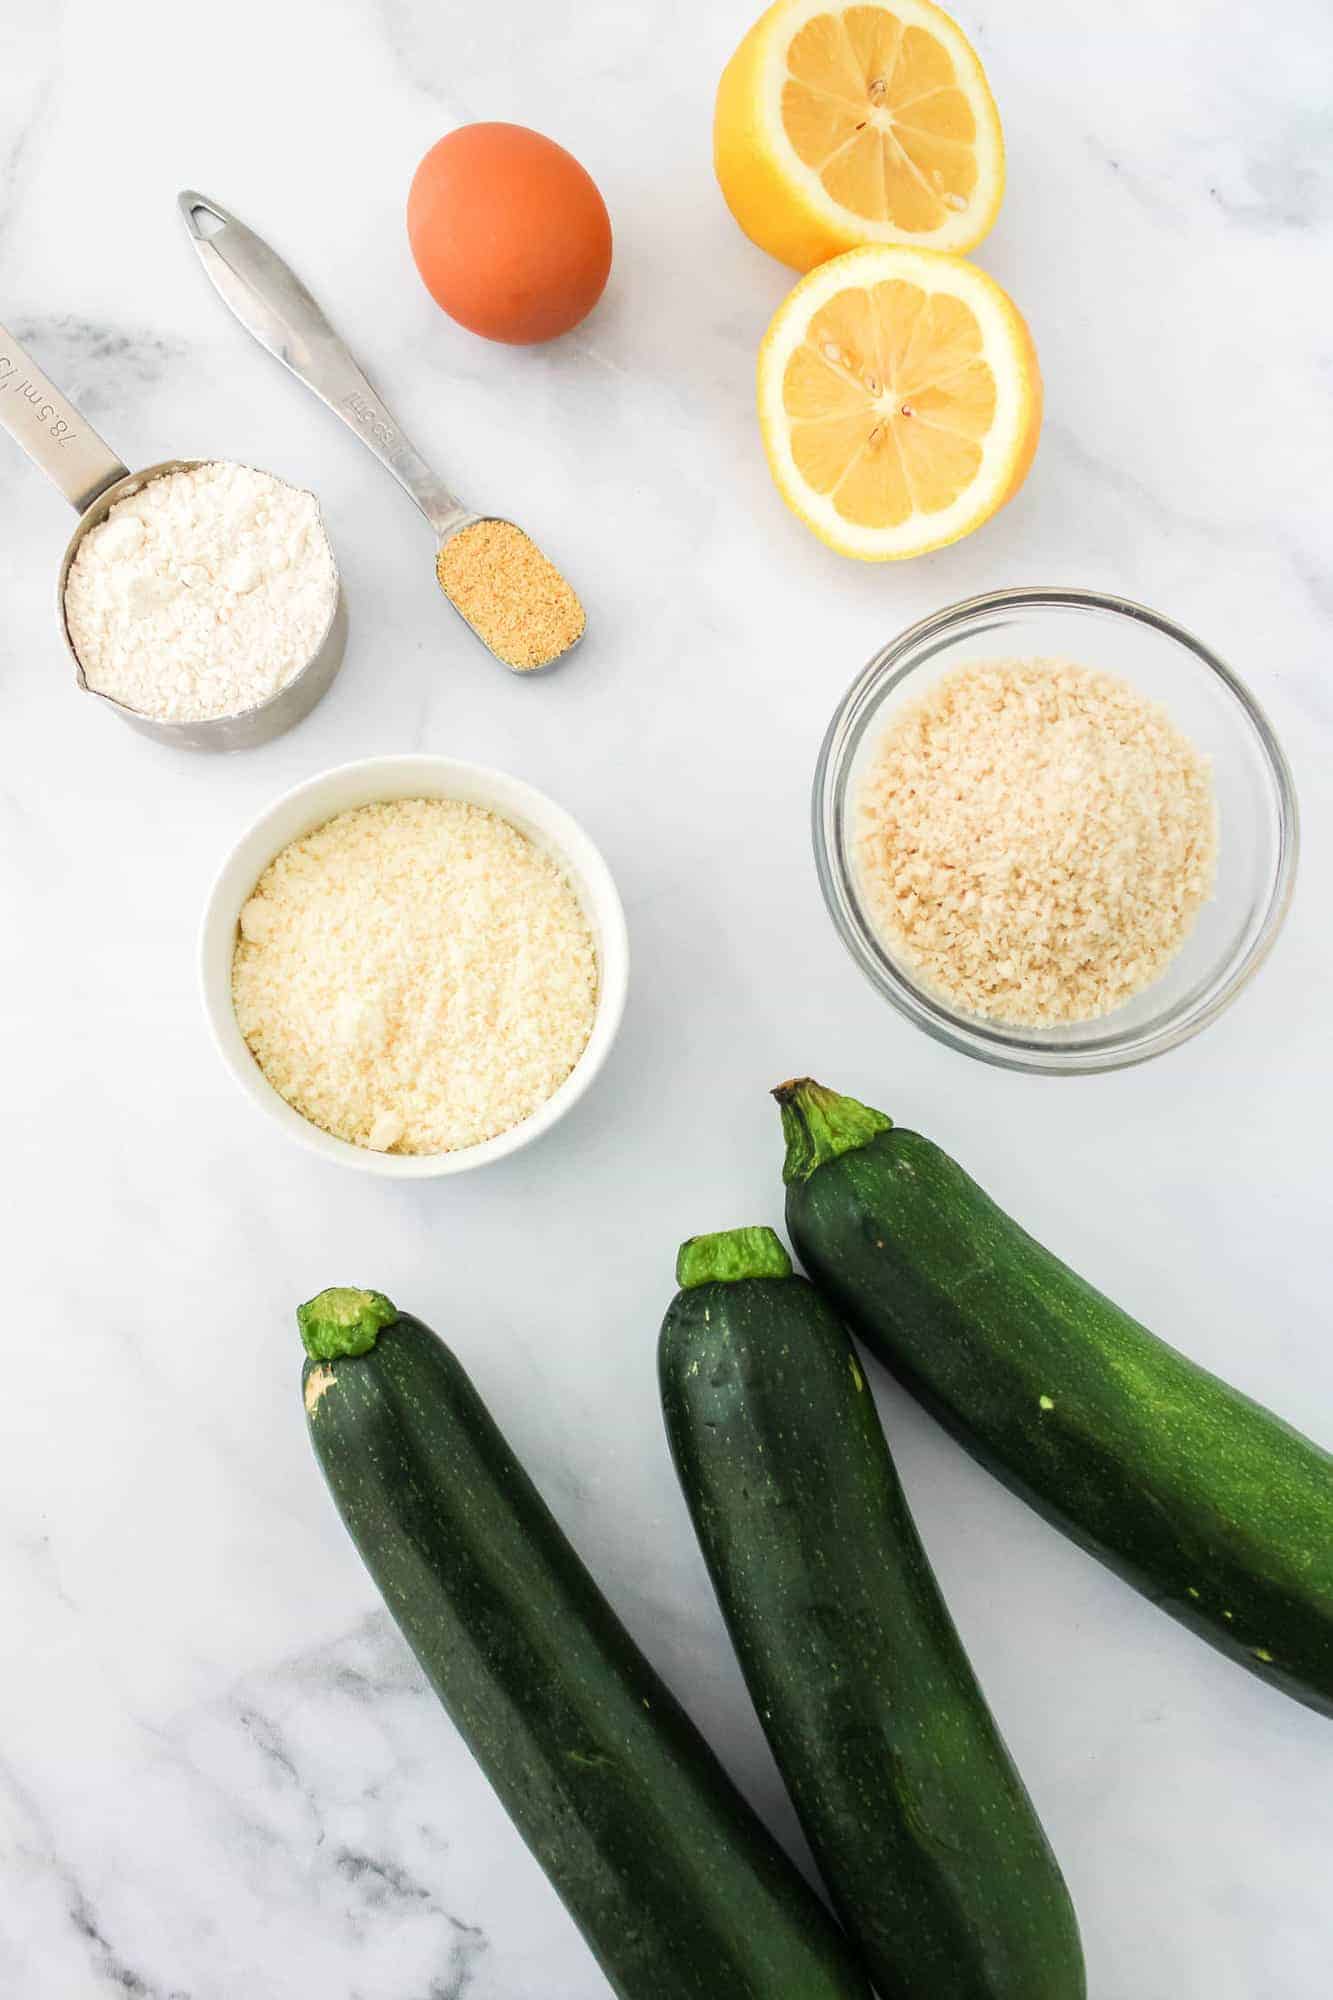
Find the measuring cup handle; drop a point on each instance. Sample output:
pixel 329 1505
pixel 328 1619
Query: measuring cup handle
pixel 271 303
pixel 50 429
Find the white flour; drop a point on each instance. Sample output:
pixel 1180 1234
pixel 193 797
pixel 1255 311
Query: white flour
pixel 203 594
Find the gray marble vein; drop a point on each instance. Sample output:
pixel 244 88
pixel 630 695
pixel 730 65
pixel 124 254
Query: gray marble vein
pixel 100 366
pixel 27 91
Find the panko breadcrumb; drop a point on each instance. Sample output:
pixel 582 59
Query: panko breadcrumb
pixel 1034 840
pixel 414 976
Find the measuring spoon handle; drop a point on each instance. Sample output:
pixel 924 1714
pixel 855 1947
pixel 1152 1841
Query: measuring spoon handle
pixel 50 429
pixel 270 301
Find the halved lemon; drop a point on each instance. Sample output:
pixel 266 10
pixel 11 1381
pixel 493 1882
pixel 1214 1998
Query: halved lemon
pixel 900 400
pixel 841 125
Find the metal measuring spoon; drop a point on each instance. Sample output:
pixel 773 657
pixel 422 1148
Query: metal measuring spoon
pixel 271 303
pixel 69 451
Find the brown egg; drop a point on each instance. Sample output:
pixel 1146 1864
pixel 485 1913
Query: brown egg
pixel 509 233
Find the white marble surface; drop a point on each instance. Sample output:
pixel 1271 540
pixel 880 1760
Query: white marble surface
pixel 221 1774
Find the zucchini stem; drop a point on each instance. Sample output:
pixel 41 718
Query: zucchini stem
pixel 343 1321
pixel 819 1125
pixel 729 1257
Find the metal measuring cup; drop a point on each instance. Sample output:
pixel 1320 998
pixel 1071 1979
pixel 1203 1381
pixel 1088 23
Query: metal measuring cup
pixel 56 438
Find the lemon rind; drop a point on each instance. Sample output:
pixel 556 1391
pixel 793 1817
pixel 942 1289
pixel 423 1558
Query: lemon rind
pixel 1009 443
pixel 828 228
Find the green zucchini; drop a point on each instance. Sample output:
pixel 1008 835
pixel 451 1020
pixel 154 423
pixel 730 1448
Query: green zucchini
pixel 675 1884
pixel 1208 1503
pixel 924 1834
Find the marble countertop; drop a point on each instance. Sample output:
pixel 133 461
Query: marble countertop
pixel 222 1774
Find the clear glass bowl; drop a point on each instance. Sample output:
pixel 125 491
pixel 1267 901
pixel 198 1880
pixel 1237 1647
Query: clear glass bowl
pixel 1256 803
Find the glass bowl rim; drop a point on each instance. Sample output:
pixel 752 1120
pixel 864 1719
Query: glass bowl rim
pixel 1004 1047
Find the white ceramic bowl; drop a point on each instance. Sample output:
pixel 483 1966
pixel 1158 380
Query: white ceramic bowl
pixel 340 790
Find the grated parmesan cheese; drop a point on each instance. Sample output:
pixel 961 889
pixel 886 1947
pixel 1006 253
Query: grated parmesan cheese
pixel 415 976
pixel 1035 840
